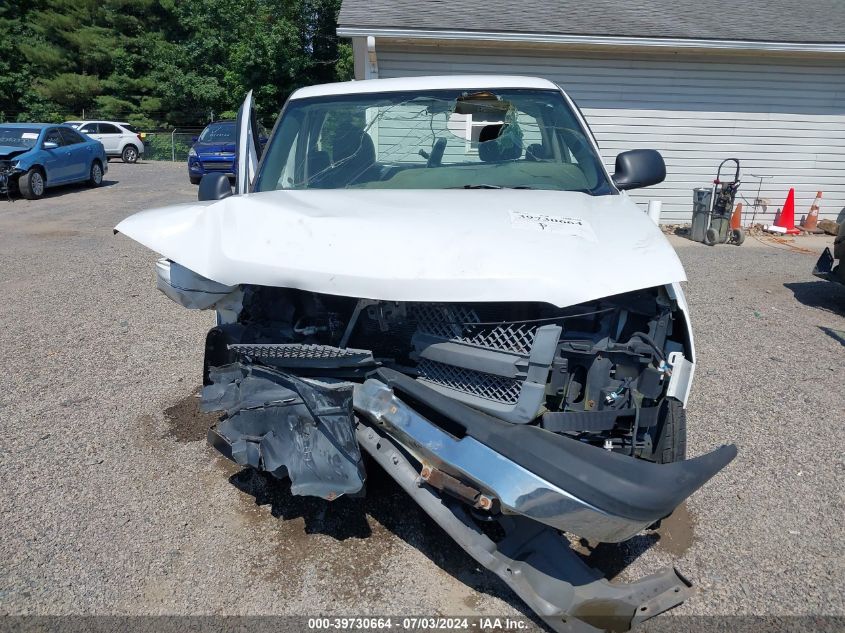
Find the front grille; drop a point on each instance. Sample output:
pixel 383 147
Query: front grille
pixel 475 383
pixel 217 166
pixel 297 354
pixel 463 325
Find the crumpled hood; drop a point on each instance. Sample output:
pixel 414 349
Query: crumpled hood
pixel 555 247
pixel 8 152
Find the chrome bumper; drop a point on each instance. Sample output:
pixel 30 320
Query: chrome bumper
pixel 517 490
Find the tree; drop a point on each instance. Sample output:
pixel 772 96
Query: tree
pixel 162 62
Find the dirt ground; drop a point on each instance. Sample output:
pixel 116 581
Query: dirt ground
pixel 114 504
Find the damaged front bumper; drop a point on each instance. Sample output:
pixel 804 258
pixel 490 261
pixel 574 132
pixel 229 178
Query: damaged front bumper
pixel 534 560
pixel 523 470
pixel 306 429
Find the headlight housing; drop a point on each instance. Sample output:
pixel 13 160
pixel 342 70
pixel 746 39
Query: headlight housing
pixel 192 153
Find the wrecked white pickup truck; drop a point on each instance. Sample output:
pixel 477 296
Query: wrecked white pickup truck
pixel 440 272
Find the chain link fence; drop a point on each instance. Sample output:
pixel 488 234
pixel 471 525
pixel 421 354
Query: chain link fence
pixel 170 145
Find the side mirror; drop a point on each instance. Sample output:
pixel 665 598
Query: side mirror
pixel 214 187
pixel 639 168
pixel 50 145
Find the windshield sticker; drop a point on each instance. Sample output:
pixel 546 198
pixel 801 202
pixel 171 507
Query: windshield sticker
pixel 552 224
pixel 29 135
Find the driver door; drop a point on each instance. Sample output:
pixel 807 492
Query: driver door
pixel 246 141
pixel 56 159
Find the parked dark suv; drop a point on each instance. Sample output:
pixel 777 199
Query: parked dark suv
pixel 213 151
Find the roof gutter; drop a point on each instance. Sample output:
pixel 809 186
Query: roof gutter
pixel 589 40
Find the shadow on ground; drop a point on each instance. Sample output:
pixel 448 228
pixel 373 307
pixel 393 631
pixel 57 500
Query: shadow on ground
pixel 59 190
pixel 824 295
pixel 836 335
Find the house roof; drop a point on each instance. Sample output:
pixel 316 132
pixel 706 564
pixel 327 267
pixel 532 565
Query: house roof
pixel 796 21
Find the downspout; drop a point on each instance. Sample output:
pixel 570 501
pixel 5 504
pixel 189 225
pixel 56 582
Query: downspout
pixel 364 56
pixel 371 67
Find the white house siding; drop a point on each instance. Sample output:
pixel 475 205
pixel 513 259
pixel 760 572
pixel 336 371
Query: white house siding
pixel 783 118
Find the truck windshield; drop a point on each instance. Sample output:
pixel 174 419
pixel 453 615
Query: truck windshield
pixel 22 137
pixel 441 139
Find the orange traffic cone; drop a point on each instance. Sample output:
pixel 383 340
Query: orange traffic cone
pixel 786 221
pixel 809 222
pixel 736 218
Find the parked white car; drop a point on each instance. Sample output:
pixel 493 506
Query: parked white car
pixel 441 272
pixel 119 139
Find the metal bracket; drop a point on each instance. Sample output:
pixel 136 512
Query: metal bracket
pixel 681 379
pixel 535 561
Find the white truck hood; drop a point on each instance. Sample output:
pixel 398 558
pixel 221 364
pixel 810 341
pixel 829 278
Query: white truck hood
pixel 555 247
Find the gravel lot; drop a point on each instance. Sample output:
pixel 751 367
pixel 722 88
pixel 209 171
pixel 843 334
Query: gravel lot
pixel 113 503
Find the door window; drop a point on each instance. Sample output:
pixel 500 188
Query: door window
pixel 54 136
pixel 108 128
pixel 89 128
pixel 71 137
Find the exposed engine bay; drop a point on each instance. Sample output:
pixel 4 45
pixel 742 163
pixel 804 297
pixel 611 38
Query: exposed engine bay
pixel 597 372
pixel 605 376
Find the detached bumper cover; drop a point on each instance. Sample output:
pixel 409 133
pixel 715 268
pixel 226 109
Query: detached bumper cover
pixel 288 427
pixel 549 478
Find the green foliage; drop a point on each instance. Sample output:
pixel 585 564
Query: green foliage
pixel 68 89
pixel 158 146
pixel 163 63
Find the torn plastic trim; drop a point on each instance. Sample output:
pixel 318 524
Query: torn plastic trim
pixel 287 426
pixel 534 560
pixel 555 480
pixel 516 489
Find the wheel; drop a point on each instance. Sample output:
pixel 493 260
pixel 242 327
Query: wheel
pixel 31 184
pixel 195 180
pixel 130 154
pixel 669 436
pixel 737 236
pixel 711 237
pixel 95 177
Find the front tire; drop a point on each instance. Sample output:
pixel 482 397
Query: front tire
pixel 95 177
pixel 31 184
pixel 669 436
pixel 130 154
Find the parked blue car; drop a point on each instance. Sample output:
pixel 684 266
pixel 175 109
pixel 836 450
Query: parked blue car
pixel 213 151
pixel 34 156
